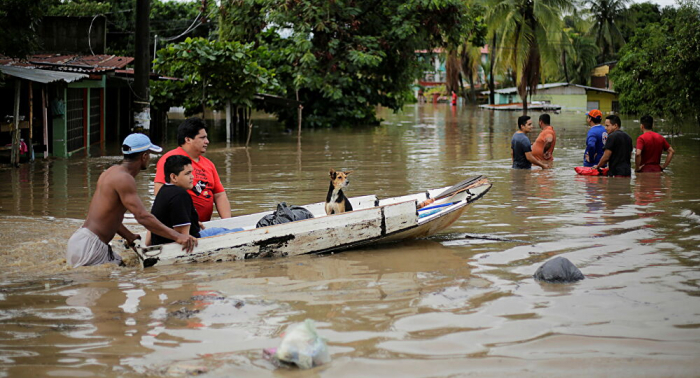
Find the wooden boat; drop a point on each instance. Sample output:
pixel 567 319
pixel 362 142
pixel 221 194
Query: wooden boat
pixel 372 221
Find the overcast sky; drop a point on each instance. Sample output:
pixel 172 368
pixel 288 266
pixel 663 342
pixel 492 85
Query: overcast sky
pixel 662 3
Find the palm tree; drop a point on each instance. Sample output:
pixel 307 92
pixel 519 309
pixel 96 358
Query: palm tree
pixel 606 16
pixel 528 30
pixel 579 52
pixel 582 59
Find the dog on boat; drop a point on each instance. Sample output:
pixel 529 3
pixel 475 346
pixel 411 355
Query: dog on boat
pixel 336 202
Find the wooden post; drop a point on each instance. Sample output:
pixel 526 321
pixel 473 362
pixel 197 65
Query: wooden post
pixel 14 156
pixel 30 145
pixel 250 132
pixel 228 121
pixel 299 116
pixel 45 111
pixel 31 111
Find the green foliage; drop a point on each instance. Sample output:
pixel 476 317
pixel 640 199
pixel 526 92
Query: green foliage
pixel 608 16
pixel 345 57
pixel 167 19
pixel 528 31
pixel 212 73
pixel 79 8
pixel 581 58
pixel 637 16
pixel 19 20
pixel 659 70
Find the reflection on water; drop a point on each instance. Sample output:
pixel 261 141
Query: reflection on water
pixel 458 303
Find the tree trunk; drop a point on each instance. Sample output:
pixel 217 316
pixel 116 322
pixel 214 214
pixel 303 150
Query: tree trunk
pixel 452 67
pixel 492 87
pixel 472 90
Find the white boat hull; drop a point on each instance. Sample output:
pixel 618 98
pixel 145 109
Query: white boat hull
pixel 372 221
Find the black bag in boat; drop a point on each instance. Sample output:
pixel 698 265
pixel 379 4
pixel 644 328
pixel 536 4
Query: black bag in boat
pixel 284 214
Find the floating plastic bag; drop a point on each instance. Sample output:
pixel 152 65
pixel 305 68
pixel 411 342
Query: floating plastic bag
pixel 301 346
pixel 558 270
pixel 589 171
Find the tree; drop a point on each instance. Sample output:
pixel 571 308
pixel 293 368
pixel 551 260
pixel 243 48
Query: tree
pixel 470 57
pixel 19 20
pixel 606 16
pixel 464 60
pixel 167 18
pixel 212 73
pixel 528 30
pixel 580 58
pixel 580 52
pixel 659 70
pixel 637 17
pixel 345 57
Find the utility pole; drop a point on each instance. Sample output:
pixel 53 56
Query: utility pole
pixel 142 68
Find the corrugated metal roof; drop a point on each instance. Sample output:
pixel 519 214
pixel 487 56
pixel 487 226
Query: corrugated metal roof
pixel 71 63
pixel 41 76
pixel 553 85
pixel 539 86
pixel 596 89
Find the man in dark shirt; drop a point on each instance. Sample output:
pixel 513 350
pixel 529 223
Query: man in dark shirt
pixel 618 149
pixel 521 147
pixel 173 205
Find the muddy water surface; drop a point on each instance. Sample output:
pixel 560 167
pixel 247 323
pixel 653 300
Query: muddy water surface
pixel 459 303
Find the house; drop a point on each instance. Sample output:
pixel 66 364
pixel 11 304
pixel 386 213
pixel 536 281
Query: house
pixel 571 97
pixel 436 59
pixel 69 102
pixel 600 77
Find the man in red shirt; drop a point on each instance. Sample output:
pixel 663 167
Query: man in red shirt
pixel 207 190
pixel 544 144
pixel 650 145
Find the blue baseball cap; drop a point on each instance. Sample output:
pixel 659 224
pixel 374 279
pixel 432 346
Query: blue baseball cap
pixel 138 142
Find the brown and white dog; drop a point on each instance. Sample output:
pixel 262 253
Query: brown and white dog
pixel 336 202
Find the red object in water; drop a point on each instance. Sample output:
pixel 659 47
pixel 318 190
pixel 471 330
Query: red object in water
pixel 589 171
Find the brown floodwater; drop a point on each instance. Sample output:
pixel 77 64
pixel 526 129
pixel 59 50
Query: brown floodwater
pixel 459 303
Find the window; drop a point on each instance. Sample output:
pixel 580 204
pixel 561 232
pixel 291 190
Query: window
pixel 616 106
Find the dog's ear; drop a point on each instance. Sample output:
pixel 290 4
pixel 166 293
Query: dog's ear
pixel 348 172
pixel 333 174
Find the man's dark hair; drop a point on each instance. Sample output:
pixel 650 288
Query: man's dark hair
pixel 189 129
pixel 647 122
pixel 175 164
pixel 545 119
pixel 522 120
pixel 615 120
pixel 133 157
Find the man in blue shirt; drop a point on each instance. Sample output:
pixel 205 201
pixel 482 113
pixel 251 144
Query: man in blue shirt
pixel 521 147
pixel 595 141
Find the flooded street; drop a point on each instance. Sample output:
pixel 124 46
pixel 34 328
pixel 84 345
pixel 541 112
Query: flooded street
pixel 462 302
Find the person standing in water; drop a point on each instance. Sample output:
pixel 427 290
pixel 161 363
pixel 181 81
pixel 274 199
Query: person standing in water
pixel 115 194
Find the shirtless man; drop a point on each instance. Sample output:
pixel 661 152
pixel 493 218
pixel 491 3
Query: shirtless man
pixel 114 195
